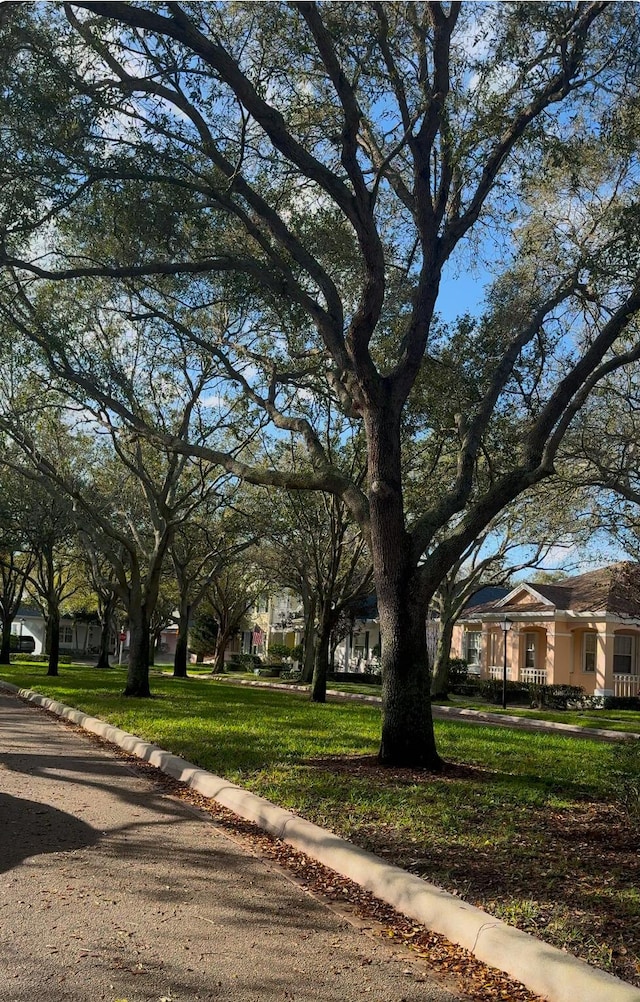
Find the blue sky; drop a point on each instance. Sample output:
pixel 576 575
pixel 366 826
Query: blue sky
pixel 460 292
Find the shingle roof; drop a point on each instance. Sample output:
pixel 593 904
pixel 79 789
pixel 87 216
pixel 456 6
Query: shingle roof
pixel 490 593
pixel 614 589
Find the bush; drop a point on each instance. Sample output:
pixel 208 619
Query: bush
pixel 457 672
pixel 557 697
pixel 472 686
pixel 279 651
pixel 621 702
pixel 294 675
pixel 63 659
pixel 244 662
pixel 490 689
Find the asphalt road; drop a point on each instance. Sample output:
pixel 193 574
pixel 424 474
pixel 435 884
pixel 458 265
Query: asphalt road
pixel 110 890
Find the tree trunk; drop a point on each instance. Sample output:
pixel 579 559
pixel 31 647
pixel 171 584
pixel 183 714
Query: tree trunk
pixel 309 645
pixel 221 645
pixel 53 640
pixel 407 723
pixel 103 655
pixel 5 648
pixel 440 674
pixel 321 665
pixel 152 649
pixel 181 656
pixel 138 673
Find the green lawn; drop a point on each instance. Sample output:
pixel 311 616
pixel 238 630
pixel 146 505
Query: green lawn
pixel 540 829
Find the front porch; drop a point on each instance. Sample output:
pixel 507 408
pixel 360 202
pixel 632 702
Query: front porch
pixel 624 686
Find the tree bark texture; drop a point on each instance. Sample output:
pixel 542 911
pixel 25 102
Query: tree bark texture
pixel 53 640
pixel 223 638
pixel 138 673
pixel 407 723
pixel 181 656
pixel 440 674
pixel 5 648
pixel 103 654
pixel 323 645
pixel 309 646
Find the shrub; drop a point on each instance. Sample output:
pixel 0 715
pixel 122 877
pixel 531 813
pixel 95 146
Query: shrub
pixel 472 686
pixel 621 702
pixel 276 651
pixel 280 651
pixel 244 662
pixel 491 690
pixel 557 697
pixel 457 672
pixel 294 675
pixel 63 659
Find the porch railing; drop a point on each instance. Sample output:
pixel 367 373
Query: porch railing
pixel 495 672
pixel 533 676
pixel 528 676
pixel 626 685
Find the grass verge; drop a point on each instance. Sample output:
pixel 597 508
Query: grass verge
pixel 539 829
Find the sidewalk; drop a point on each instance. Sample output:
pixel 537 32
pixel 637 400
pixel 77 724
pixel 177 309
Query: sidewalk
pixel 113 891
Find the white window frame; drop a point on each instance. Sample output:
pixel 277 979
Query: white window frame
pixel 531 639
pixel 629 657
pixel 66 634
pixel 589 657
pixel 476 646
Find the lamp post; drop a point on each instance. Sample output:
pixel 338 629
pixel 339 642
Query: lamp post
pixel 505 626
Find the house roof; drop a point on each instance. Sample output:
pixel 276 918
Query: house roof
pixel 614 589
pixel 491 593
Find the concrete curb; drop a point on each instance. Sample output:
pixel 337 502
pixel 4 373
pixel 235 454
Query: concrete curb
pixel 545 970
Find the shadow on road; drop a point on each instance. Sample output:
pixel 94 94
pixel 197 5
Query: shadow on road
pixel 29 828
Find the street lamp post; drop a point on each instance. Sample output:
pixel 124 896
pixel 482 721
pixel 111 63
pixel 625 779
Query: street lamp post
pixel 505 626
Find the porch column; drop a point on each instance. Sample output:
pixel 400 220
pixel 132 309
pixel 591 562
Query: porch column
pixel 604 661
pixel 550 653
pixel 512 640
pixel 347 651
pixel 485 650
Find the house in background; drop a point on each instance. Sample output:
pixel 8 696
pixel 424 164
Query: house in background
pixel 359 649
pixel 82 636
pixel 582 631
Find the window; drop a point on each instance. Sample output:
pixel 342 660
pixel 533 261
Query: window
pixel 473 647
pixel 66 634
pixel 622 654
pixel 589 648
pixel 530 650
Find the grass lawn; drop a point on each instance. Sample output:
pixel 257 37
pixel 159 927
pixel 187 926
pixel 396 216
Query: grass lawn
pixel 541 830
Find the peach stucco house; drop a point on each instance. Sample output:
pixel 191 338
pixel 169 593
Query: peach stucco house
pixel 582 631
